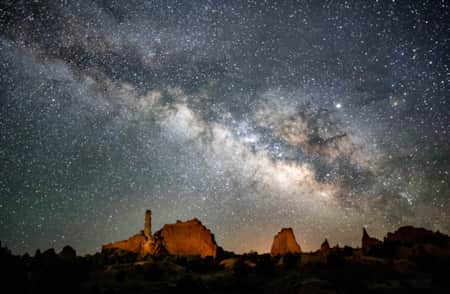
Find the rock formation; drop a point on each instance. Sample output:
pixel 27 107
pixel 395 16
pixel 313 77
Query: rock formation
pixel 410 241
pixel 148 224
pixel 284 242
pixel 410 235
pixel 325 247
pixel 369 243
pixel 142 243
pixel 187 238
pixel 407 242
pixel 133 244
pixel 181 238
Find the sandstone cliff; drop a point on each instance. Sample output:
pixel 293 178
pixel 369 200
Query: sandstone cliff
pixel 284 242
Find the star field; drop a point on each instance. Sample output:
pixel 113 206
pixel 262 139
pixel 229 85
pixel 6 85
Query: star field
pixel 323 116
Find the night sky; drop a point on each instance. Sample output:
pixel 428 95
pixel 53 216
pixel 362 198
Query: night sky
pixel 323 116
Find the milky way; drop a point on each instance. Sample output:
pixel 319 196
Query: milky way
pixel 323 116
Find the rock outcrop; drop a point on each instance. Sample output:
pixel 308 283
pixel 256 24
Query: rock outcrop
pixel 410 241
pixel 410 235
pixel 407 242
pixel 284 242
pixel 187 238
pixel 181 238
pixel 325 247
pixel 135 244
pixel 368 243
pixel 142 243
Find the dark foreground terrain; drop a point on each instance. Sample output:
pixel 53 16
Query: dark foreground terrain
pixel 338 270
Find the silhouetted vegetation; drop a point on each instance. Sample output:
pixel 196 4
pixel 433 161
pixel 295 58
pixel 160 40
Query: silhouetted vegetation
pixel 340 270
pixel 291 261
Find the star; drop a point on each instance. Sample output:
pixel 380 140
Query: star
pixel 318 116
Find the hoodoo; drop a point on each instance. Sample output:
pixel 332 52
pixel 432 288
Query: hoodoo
pixel 148 224
pixel 284 242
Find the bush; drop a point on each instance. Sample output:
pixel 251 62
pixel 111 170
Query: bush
pixel 348 251
pixel 265 265
pixel 291 261
pixel 198 264
pixel 120 276
pixel 152 272
pixel 240 269
pixel 335 259
pixel 187 284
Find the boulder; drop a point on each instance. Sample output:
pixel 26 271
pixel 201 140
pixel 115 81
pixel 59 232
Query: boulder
pixel 284 242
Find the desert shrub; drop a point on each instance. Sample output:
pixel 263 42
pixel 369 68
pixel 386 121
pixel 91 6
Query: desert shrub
pixel 152 272
pixel 210 264
pixel 120 276
pixel 12 272
pixel 335 259
pixel 50 272
pixel 439 272
pixel 252 256
pixel 240 269
pixel 181 260
pixel 348 251
pixel 223 254
pixel 265 265
pixel 291 261
pixel 125 257
pixel 188 284
pixel 197 264
pixel 194 263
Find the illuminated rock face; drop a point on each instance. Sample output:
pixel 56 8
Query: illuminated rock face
pixel 142 243
pixel 134 244
pixel 284 242
pixel 187 238
pixel 181 238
